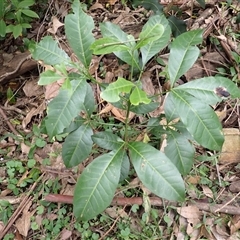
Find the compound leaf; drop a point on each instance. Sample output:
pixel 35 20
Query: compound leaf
pixel 78 28
pixel 77 146
pixel 205 89
pixel 183 54
pixel 152 48
pixel 96 186
pixel 48 51
pixel 111 93
pixel 180 151
pixel 156 171
pixel 107 140
pixel 198 117
pixel 66 106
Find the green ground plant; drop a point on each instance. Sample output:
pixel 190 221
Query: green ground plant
pixel 15 16
pixel 187 109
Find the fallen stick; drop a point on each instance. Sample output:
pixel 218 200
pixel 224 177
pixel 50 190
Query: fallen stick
pixel 154 201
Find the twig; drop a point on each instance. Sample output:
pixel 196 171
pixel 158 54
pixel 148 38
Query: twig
pixel 8 123
pixel 155 201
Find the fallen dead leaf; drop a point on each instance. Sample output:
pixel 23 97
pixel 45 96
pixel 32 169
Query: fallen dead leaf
pixel 23 223
pixel 55 25
pixel 32 89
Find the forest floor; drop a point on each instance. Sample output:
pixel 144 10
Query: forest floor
pixel 31 166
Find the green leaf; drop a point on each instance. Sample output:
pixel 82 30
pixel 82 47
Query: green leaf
pixel 48 51
pixel 125 168
pixel 78 28
pixel 48 77
pixel 153 5
pixel 180 151
pixel 97 184
pixel 205 89
pixel 198 117
pixel 2 28
pixel 25 3
pixel 29 13
pixel 144 108
pixel 107 140
pixel 113 31
pixel 152 48
pixel 202 3
pixel 156 171
pixel 183 54
pixel 139 96
pixel 177 25
pixel 26 25
pixel 108 45
pixel 150 34
pixel 17 31
pixel 65 107
pixel 77 146
pixel 111 93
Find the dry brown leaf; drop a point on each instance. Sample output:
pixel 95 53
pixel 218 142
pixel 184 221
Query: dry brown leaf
pixel 33 112
pixel 207 191
pixel 235 224
pixel 231 147
pixel 147 84
pixel 189 212
pixel 65 234
pixel 23 223
pixel 55 25
pixel 115 212
pixel 24 148
pixel 32 89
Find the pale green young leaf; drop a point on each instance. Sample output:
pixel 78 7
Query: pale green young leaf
pixel 78 28
pixel 48 51
pixel 77 146
pixel 139 96
pixel 156 171
pixel 198 117
pixel 108 45
pixel 180 151
pixel 150 34
pixel 97 184
pixel 111 93
pixel 152 48
pixel 205 89
pixel 183 54
pixel 113 31
pixel 107 140
pixel 48 77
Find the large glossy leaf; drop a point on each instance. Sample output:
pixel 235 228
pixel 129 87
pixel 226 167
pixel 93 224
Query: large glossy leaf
pixel 183 54
pixel 113 31
pixel 96 186
pixel 198 117
pixel 179 151
pixel 49 77
pixel 111 93
pixel 77 146
pixel 48 51
pixel 78 28
pixel 152 48
pixel 156 171
pixel 65 107
pixel 107 140
pixel 205 89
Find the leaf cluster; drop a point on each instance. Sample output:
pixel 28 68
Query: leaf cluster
pixel 188 115
pixel 15 16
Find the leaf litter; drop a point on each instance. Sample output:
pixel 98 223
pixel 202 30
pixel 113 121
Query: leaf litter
pixel 212 209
